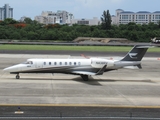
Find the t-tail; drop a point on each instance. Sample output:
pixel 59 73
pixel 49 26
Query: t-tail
pixel 137 53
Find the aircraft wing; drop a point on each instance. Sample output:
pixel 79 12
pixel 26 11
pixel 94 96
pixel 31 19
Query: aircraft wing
pixel 100 72
pixel 84 73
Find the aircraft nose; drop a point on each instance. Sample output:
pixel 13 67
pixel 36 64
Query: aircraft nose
pixel 6 69
pixel 14 68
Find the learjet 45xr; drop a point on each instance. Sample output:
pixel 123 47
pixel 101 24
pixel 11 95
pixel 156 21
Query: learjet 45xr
pixel 82 67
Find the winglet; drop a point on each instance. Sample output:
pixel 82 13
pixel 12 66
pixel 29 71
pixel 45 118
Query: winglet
pixel 139 66
pixel 101 71
pixel 85 56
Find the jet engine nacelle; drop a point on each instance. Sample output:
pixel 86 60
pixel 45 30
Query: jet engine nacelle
pixel 110 63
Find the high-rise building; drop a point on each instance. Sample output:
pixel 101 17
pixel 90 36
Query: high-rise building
pixel 6 12
pixel 49 17
pixel 141 17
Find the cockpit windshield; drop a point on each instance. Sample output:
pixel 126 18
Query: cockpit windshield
pixel 28 62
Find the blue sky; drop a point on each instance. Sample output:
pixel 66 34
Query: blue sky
pixel 80 8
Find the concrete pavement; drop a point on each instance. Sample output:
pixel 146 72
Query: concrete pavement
pixel 117 88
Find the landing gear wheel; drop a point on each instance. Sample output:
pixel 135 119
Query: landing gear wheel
pixel 17 76
pixel 84 77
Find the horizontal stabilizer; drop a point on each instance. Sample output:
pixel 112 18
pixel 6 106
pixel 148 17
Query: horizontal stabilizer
pixel 142 46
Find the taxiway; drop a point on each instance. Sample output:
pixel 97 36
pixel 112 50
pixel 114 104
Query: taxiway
pixel 117 88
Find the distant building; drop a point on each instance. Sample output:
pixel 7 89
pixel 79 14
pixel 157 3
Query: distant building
pixel 6 12
pixel 23 18
pixel 141 17
pixel 49 17
pixel 94 21
pixel 114 19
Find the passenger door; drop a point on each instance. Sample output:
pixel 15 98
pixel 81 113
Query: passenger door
pixel 39 64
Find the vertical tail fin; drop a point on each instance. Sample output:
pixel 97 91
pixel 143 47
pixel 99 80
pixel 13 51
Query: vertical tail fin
pixel 137 53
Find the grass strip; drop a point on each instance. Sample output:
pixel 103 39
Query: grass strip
pixel 72 48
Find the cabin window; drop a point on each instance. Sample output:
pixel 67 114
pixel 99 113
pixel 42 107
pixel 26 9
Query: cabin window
pixel 74 63
pixel 44 63
pixel 79 63
pixel 55 63
pixel 65 63
pixel 60 63
pixel 50 63
pixel 70 63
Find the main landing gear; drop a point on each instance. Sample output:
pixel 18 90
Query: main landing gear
pixel 17 76
pixel 84 77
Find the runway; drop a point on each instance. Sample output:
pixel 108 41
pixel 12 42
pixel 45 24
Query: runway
pixel 131 89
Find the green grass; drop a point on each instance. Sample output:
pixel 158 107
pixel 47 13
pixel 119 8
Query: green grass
pixel 71 48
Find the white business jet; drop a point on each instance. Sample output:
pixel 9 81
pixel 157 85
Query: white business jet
pixel 82 67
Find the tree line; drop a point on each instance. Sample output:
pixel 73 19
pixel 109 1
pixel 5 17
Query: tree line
pixel 11 29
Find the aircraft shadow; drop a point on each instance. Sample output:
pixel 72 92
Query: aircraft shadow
pixel 91 81
pixel 120 80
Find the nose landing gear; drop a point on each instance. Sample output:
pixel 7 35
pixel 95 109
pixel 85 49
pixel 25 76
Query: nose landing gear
pixel 17 76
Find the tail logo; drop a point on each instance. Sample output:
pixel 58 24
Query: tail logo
pixel 133 55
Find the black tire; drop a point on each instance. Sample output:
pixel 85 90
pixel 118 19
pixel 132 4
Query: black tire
pixel 17 76
pixel 84 77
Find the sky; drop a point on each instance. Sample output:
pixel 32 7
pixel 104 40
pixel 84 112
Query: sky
pixel 79 8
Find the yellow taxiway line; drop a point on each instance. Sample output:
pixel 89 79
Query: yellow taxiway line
pixel 79 105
